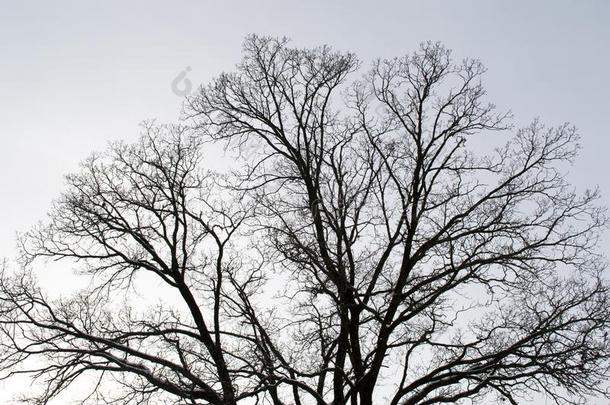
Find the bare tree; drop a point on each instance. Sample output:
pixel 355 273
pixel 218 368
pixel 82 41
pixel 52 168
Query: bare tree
pixel 406 264
pixel 145 208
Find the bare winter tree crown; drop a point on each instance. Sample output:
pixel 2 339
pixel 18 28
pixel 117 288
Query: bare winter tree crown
pixel 367 249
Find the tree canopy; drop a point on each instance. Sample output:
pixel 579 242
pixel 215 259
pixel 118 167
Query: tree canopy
pixel 364 249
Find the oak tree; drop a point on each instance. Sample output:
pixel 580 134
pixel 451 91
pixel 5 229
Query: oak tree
pixel 364 248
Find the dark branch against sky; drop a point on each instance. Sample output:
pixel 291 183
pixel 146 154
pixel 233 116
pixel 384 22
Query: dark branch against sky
pixel 76 78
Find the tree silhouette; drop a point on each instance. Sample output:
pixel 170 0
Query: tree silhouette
pixel 365 250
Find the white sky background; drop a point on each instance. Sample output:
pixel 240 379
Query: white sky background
pixel 75 75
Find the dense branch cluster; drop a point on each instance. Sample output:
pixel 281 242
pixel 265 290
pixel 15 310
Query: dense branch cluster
pixel 367 250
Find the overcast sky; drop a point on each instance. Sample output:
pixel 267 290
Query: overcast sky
pixel 74 75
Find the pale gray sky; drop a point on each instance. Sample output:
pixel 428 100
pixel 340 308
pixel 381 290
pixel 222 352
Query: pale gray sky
pixel 74 75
